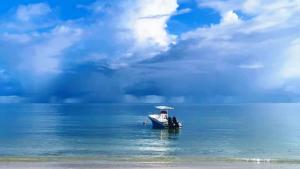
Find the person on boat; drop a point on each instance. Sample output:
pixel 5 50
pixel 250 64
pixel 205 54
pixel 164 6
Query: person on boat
pixel 170 123
pixel 175 122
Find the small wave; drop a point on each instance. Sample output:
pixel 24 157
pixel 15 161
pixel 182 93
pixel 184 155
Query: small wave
pixel 258 160
pixel 265 160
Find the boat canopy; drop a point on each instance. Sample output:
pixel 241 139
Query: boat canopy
pixel 164 108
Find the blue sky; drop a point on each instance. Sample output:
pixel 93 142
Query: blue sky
pixel 150 51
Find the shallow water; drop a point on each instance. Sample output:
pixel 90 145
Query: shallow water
pixel 249 132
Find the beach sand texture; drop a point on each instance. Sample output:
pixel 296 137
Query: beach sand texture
pixel 130 165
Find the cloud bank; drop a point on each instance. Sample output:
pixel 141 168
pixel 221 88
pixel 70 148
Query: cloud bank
pixel 124 52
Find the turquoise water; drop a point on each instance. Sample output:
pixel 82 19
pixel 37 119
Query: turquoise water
pixel 252 131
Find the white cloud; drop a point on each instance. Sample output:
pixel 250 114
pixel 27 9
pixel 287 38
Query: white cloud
pixel 251 6
pixel 290 68
pixel 40 50
pixel 132 30
pixel 255 35
pixel 229 18
pixel 263 14
pixel 147 19
pixel 46 55
pixel 28 12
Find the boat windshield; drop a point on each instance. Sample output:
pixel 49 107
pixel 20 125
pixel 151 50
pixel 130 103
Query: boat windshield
pixel 163 112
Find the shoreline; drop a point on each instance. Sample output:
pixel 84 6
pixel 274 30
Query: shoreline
pixel 136 162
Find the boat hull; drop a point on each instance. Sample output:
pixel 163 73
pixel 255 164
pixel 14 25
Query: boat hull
pixel 157 124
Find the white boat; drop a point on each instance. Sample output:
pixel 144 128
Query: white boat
pixel 161 120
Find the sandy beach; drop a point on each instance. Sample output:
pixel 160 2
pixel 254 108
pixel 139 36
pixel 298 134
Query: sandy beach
pixel 129 165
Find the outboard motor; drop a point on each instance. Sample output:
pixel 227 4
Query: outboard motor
pixel 176 125
pixel 170 123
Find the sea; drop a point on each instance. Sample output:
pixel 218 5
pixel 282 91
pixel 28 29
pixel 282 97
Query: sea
pixel 234 132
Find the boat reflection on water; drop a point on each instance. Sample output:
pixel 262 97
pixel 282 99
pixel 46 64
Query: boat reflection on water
pixel 161 142
pixel 157 143
pixel 168 134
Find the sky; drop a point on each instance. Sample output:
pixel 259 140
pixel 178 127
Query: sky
pixel 149 51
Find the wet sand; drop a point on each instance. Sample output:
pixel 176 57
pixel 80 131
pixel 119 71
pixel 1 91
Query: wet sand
pixel 130 165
